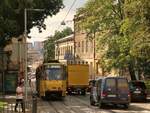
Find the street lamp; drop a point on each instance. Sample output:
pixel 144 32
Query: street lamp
pixel 25 45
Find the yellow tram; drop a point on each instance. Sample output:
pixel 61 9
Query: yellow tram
pixel 51 80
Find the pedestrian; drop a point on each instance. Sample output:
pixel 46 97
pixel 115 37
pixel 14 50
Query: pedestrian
pixel 33 83
pixel 21 77
pixel 19 96
pixel 94 90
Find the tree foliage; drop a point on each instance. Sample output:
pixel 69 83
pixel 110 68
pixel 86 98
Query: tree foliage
pixel 12 16
pixel 49 45
pixel 136 26
pixel 122 27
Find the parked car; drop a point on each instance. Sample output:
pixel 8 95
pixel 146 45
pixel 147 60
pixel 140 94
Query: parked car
pixel 110 90
pixel 138 91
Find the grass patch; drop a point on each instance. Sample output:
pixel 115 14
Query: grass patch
pixel 147 83
pixel 2 104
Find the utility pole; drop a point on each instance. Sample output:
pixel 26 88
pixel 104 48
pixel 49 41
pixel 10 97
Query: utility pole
pixel 25 48
pixel 94 56
pixel 74 42
pixel 25 45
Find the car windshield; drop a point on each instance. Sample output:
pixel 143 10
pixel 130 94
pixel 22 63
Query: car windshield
pixel 134 85
pixel 54 73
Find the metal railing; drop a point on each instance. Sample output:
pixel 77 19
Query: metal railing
pixel 9 107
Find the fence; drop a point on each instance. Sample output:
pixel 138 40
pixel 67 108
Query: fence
pixel 9 107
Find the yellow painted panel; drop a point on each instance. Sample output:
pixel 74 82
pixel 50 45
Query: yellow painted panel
pixel 52 85
pixel 78 74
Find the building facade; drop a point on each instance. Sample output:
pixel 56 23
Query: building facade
pixel 87 52
pixel 80 49
pixel 82 53
pixel 64 49
pixel 85 49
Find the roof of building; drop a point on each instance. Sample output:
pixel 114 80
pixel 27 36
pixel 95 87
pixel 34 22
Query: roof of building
pixel 67 38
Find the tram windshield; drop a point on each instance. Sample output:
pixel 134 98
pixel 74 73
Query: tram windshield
pixel 54 73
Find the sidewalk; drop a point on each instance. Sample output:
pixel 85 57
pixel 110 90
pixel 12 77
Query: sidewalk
pixel 9 101
pixel 12 97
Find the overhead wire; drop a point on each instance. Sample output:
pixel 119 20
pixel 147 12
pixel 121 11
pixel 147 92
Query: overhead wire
pixel 67 13
pixel 70 9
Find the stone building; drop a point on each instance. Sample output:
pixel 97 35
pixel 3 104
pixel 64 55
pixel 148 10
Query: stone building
pixel 79 49
pixel 13 65
pixel 64 49
pixel 85 50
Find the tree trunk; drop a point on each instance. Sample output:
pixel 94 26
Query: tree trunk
pixel 132 72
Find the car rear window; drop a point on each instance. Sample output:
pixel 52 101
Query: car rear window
pixel 110 83
pixel 122 84
pixel 137 84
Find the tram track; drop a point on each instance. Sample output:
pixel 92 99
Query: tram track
pixel 54 108
pixel 84 105
pixel 94 108
pixel 77 98
pixel 73 104
pixel 61 107
pixel 81 104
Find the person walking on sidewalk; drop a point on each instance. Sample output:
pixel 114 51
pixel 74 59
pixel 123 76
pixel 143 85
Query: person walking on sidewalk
pixel 19 96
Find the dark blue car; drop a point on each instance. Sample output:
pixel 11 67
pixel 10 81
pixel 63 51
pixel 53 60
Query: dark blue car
pixel 110 90
pixel 138 91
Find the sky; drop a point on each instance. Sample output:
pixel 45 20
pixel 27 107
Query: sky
pixel 53 23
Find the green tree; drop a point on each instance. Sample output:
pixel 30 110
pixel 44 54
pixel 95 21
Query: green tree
pixel 49 45
pixel 136 26
pixel 122 28
pixel 49 49
pixel 12 16
pixel 102 20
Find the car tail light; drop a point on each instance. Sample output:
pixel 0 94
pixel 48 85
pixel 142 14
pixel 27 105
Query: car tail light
pixel 129 94
pixel 104 94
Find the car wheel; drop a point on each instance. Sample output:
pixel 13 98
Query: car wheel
pixel 126 106
pixel 145 99
pixel 83 92
pixel 69 93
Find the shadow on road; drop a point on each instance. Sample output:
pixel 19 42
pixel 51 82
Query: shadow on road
pixel 132 107
pixel 141 101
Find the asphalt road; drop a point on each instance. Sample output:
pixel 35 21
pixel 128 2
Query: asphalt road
pixel 81 104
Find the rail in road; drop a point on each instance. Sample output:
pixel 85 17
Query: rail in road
pixel 81 104
pixel 135 107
